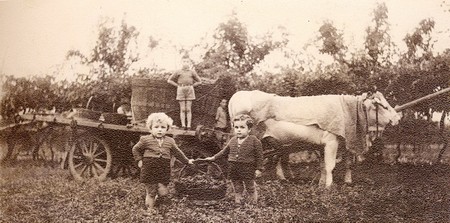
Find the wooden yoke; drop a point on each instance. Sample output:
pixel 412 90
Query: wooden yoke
pixel 419 100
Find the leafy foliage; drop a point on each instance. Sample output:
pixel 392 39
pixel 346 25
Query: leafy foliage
pixel 107 83
pixel 420 39
pixel 108 80
pixel 233 56
pixel 332 41
pixel 38 93
pixel 235 53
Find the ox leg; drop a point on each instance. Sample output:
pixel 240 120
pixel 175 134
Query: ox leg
pixel 284 161
pixel 279 170
pixel 322 173
pixel 330 153
pixel 271 144
pixel 348 158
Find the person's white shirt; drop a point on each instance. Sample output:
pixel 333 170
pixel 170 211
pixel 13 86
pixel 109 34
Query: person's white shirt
pixel 122 110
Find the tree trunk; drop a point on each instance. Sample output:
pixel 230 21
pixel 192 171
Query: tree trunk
pixel 429 116
pixel 399 152
pixel 442 121
pixel 443 136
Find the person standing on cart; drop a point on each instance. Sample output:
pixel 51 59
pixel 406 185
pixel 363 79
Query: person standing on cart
pixel 185 80
pixel 153 153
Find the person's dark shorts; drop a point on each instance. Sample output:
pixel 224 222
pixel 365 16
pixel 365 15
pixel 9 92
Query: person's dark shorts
pixel 155 170
pixel 241 171
pixel 185 93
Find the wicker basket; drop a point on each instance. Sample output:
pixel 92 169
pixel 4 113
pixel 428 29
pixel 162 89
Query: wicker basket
pixel 202 191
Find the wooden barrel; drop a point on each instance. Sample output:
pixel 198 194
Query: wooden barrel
pixel 150 95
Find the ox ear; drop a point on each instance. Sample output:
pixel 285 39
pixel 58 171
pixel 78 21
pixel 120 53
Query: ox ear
pixel 364 95
pixel 376 101
pixel 381 103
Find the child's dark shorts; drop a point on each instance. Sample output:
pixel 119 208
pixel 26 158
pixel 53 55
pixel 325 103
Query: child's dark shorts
pixel 185 93
pixel 241 171
pixel 155 170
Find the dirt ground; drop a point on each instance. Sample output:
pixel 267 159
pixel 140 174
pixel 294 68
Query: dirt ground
pixel 33 192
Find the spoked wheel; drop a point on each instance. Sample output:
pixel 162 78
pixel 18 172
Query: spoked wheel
pixel 89 157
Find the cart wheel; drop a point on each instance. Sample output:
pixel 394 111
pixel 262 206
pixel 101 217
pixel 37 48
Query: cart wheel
pixel 89 157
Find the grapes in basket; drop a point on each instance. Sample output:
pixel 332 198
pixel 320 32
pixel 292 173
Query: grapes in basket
pixel 204 181
pixel 200 181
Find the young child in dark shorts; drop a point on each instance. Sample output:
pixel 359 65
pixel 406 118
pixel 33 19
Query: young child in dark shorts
pixel 245 157
pixel 153 153
pixel 185 80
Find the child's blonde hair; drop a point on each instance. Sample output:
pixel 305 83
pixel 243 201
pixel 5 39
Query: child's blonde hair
pixel 158 118
pixel 248 120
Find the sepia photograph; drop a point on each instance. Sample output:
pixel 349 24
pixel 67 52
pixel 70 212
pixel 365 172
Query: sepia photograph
pixel 224 111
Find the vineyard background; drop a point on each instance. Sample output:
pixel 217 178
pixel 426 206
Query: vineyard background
pixel 410 184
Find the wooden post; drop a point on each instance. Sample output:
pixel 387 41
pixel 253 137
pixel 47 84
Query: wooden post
pixel 417 101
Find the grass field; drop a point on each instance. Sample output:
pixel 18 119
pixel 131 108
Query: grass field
pixel 31 192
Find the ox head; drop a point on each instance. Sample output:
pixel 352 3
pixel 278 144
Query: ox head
pixel 379 113
pixel 254 103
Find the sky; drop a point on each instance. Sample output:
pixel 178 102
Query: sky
pixel 35 35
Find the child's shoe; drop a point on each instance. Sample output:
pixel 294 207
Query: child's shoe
pixel 238 199
pixel 150 212
pixel 162 200
pixel 252 198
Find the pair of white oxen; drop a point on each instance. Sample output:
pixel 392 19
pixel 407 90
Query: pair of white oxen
pixel 331 121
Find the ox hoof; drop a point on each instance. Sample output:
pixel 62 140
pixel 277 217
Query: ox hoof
pixel 323 184
pixel 349 183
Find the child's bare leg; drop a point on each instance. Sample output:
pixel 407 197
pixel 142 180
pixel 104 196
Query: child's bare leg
pixel 250 185
pixel 238 191
pixel 189 113
pixel 183 113
pixel 151 190
pixel 163 193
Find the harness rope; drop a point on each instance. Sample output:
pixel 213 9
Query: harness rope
pixel 376 118
pixel 365 116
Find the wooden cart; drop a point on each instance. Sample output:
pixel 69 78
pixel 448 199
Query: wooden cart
pixel 100 143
